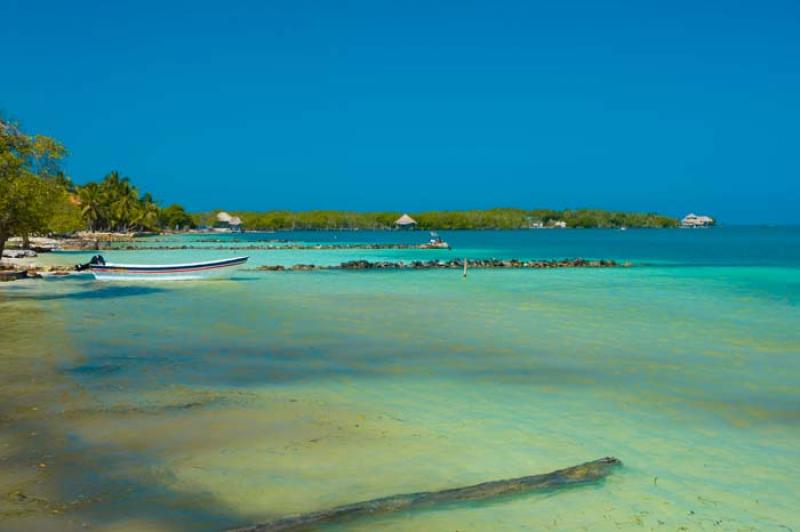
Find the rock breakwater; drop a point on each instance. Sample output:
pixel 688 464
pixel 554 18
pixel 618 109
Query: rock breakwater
pixel 261 247
pixel 453 264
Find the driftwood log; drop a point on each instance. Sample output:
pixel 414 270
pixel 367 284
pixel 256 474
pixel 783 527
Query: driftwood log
pixel 571 476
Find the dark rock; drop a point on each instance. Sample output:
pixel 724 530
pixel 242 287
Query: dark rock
pixel 12 275
pixel 363 264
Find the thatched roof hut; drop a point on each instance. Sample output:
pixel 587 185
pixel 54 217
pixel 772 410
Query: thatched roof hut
pixel 406 222
pixel 226 221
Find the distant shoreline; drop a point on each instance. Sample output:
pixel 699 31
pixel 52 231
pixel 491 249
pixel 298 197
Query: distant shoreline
pixel 479 219
pixel 390 230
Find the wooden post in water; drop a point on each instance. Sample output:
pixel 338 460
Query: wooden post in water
pixel 570 476
pixel 465 267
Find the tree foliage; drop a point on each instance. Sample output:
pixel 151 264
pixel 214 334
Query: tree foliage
pixel 36 197
pixel 175 217
pixel 501 218
pixel 115 204
pixel 65 214
pixel 29 166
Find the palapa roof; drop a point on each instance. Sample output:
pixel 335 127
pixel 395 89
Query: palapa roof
pixel 224 217
pixel 405 220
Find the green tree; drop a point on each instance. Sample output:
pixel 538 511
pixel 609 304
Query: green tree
pixel 66 214
pixel 28 171
pixel 147 214
pixel 175 217
pixel 91 199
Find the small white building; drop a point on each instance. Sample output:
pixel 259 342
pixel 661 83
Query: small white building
pixel 694 220
pixel 533 223
pixel 559 224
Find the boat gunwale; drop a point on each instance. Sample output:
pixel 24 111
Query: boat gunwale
pixel 167 267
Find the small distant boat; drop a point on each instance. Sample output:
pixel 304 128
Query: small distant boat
pixel 214 269
pixel 623 228
pixel 436 242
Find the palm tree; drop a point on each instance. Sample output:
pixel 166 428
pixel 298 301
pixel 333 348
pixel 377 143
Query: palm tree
pixel 146 217
pixel 120 199
pixel 112 180
pixel 125 205
pixel 91 198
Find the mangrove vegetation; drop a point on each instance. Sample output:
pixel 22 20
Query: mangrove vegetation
pixel 505 218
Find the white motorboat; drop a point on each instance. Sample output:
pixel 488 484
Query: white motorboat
pixel 214 269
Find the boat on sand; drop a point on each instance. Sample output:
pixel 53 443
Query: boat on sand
pixel 213 269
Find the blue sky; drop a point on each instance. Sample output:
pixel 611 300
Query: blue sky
pixel 670 106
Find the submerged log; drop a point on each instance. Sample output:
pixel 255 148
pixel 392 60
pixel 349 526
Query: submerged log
pixel 570 476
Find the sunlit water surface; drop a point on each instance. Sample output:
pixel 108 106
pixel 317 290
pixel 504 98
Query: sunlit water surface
pixel 206 405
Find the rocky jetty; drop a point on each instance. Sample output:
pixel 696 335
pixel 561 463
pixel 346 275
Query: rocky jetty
pixel 76 244
pixel 93 241
pixel 266 247
pixel 18 253
pixel 34 243
pixel 12 271
pixel 237 240
pixel 454 264
pixel 78 241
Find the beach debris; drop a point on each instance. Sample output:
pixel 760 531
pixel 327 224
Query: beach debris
pixel 562 478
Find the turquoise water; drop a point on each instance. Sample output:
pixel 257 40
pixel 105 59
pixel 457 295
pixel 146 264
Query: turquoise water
pixel 214 404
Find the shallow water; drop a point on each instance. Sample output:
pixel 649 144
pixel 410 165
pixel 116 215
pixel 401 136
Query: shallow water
pixel 209 405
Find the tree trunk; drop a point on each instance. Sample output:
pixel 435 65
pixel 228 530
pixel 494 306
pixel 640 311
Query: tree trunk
pixel 3 239
pixel 26 241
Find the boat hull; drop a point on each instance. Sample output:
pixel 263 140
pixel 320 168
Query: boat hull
pixel 218 269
